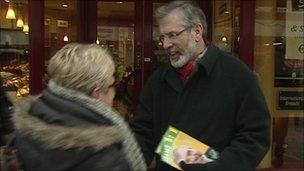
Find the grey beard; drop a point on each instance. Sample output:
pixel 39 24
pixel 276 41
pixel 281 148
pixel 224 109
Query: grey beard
pixel 186 56
pixel 183 60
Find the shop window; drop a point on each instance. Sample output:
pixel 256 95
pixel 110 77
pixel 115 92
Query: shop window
pixel 278 62
pixel 14 44
pixel 226 25
pixel 115 32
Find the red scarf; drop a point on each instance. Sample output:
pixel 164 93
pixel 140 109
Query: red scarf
pixel 185 71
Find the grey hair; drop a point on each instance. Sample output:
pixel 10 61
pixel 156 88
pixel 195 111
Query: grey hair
pixel 189 12
pixel 82 67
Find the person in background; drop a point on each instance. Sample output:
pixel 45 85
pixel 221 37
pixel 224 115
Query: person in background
pixel 204 92
pixel 71 125
pixel 6 110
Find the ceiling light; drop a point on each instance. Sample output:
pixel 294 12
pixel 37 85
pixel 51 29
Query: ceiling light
pixel 64 5
pixel 224 39
pixel 26 28
pixel 65 38
pixel 19 22
pixel 277 43
pixel 10 14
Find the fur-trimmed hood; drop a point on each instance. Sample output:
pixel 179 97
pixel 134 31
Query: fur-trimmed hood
pixel 81 135
pixel 55 136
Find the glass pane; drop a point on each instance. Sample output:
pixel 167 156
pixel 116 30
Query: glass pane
pixel 236 27
pixel 60 26
pixel 288 143
pixel 226 25
pixel 278 62
pixel 158 51
pixel 14 44
pixel 115 31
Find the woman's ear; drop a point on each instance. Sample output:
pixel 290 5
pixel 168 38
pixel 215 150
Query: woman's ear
pixel 96 93
pixel 105 96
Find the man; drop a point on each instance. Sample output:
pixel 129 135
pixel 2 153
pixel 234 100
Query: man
pixel 189 156
pixel 203 92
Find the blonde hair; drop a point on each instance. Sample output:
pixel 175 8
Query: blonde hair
pixel 82 67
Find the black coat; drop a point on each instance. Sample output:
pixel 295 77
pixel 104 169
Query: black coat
pixel 6 110
pixel 221 105
pixel 54 133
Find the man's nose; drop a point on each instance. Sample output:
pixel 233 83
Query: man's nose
pixel 166 43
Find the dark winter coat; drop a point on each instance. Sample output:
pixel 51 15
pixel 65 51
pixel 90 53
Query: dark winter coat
pixel 54 133
pixel 221 105
pixel 6 110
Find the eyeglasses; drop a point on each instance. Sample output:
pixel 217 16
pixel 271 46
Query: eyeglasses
pixel 115 84
pixel 171 35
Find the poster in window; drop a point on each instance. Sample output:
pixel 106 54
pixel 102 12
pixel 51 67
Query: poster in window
pixel 290 59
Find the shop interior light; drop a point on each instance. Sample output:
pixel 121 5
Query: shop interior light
pixel 10 14
pixel 224 39
pixel 26 28
pixel 277 43
pixel 97 41
pixel 20 22
pixel 64 5
pixel 65 38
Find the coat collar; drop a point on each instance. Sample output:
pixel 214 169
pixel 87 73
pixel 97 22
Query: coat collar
pixel 209 59
pixel 56 136
pixel 207 62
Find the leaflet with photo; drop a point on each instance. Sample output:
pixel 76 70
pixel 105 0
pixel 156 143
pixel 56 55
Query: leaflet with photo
pixel 176 146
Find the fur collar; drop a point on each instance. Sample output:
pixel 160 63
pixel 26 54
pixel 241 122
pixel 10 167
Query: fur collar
pixel 54 136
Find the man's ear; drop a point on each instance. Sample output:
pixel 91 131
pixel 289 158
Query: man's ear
pixel 198 29
pixel 96 93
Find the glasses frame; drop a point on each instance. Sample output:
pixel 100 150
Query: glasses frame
pixel 172 35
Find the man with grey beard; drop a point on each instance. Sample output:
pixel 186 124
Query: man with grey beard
pixel 209 95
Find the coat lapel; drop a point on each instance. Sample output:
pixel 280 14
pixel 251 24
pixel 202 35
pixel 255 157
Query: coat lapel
pixel 172 79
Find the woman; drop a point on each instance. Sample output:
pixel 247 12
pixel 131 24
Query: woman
pixel 71 125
